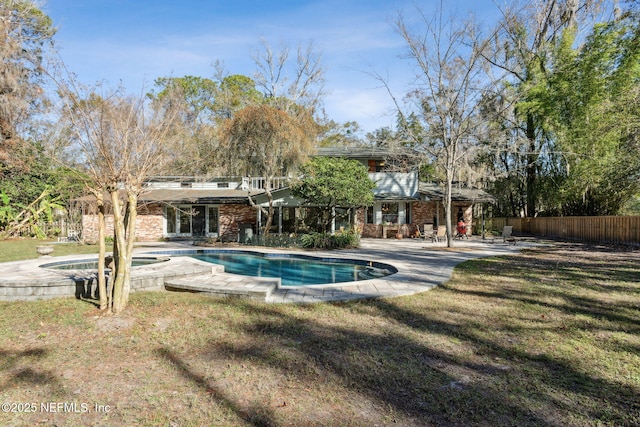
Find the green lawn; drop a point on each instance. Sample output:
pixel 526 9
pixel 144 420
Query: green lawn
pixel 548 337
pixel 21 249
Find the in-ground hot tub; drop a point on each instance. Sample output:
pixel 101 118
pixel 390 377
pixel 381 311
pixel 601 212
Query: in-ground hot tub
pixel 92 264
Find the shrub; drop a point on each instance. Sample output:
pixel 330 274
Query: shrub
pixel 341 240
pixel 316 240
pixel 277 240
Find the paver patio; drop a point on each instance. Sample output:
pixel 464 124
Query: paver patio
pixel 421 266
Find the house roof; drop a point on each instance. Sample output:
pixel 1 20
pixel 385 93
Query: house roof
pixel 359 152
pixel 185 195
pixel 433 191
pixel 393 197
pixel 427 191
pixel 190 195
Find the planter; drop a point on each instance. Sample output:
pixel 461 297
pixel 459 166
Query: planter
pixel 44 250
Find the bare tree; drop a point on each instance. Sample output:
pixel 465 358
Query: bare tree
pixel 265 141
pixel 275 135
pixel 448 54
pixel 122 143
pixel 286 86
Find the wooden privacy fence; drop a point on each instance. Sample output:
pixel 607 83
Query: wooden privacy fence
pixel 600 229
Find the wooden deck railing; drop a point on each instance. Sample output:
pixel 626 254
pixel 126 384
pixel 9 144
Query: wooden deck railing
pixel 598 229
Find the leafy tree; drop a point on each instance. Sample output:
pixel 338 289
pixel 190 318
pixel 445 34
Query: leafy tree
pixel 30 179
pixel 192 101
pixel 595 94
pixel 25 37
pixel 31 217
pixel 7 210
pixel 340 134
pixel 632 207
pixel 39 181
pixel 235 92
pixel 192 96
pixel 201 104
pixel 522 53
pixel 202 101
pixel 382 137
pixel 330 182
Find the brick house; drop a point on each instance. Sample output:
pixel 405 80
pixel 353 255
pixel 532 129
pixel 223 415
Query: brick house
pixel 192 208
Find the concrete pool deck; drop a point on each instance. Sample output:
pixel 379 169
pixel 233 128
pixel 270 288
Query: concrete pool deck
pixel 422 265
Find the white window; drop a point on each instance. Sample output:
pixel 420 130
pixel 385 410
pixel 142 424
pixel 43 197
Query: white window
pixel 191 220
pixel 369 216
pixel 390 212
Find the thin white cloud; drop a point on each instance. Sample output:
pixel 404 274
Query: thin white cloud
pixel 371 108
pixel 145 40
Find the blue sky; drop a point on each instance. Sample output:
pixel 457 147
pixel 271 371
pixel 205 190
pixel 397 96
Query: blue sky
pixel 136 41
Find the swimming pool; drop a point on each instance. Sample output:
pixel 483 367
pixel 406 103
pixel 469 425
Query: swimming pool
pixel 292 269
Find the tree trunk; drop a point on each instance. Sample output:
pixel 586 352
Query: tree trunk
pixel 102 282
pixel 267 190
pixel 267 226
pixel 447 208
pixel 119 300
pixel 532 158
pixel 450 153
pixel 267 212
pixel 130 233
pixel 326 219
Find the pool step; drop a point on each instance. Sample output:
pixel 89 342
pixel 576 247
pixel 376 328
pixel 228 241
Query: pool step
pixel 225 285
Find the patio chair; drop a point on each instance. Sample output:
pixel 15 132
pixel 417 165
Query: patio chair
pixel 441 233
pixel 507 235
pixel 427 232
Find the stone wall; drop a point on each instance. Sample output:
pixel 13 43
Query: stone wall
pixel 47 284
pixel 231 216
pixel 421 213
pixel 149 224
pixel 372 230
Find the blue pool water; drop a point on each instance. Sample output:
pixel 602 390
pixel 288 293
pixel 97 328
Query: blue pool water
pixel 293 270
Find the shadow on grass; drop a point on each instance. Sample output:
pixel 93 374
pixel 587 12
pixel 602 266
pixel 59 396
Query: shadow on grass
pixel 547 380
pixel 438 387
pixel 256 416
pixel 440 363
pixel 578 287
pixel 419 381
pixel 21 370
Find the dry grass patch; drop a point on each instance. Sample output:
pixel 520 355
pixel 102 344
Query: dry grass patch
pixel 547 337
